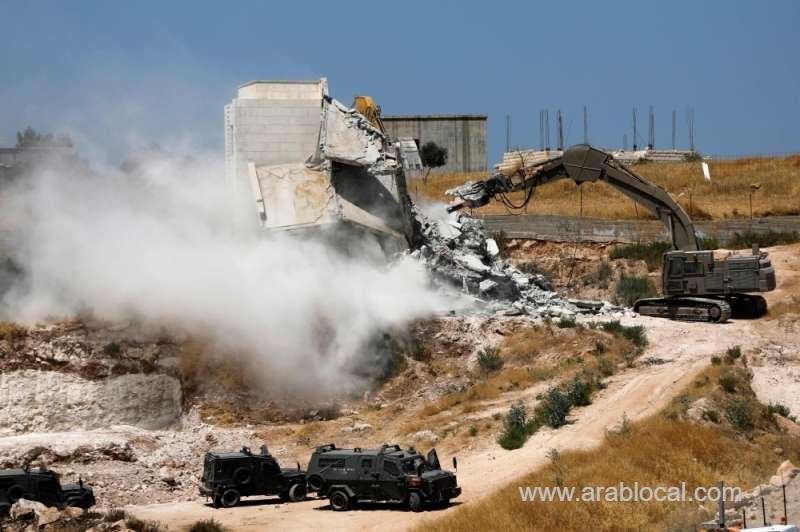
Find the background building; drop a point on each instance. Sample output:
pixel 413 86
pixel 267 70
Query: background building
pixel 464 136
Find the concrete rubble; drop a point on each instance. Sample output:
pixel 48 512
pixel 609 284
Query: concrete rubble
pixel 459 254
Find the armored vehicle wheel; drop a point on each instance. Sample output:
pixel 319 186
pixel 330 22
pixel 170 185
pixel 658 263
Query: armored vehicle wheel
pixel 230 498
pixel 242 476
pixel 340 501
pixel 297 492
pixel 217 501
pixel 315 482
pixel 415 502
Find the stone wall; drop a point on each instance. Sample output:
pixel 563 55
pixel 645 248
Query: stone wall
pixel 573 228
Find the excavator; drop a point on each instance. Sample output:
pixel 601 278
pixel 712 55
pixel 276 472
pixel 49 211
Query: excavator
pixel 697 286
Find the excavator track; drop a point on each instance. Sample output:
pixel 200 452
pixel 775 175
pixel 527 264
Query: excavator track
pixel 685 309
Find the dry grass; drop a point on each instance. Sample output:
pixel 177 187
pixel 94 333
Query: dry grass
pixel 657 451
pixel 725 197
pixel 532 355
pixel 12 331
pixel 788 306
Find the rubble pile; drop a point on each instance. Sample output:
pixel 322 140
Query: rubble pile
pixel 458 253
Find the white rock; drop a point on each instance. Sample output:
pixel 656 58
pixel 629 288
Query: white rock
pixel 472 262
pixel 492 248
pixel 426 435
pixel 486 285
pixel 24 507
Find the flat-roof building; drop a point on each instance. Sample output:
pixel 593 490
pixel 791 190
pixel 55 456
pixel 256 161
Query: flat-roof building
pixel 464 137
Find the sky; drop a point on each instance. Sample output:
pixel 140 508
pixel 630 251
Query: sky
pixel 118 76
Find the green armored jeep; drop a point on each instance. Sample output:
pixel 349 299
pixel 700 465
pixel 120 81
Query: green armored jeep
pixel 347 476
pixel 227 477
pixel 42 485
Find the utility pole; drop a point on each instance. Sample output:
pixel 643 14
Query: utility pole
pixel 690 124
pixel 634 129
pixel 585 125
pixel 560 131
pixel 673 129
pixel 651 134
pixel 508 131
pixel 541 130
pixel 547 130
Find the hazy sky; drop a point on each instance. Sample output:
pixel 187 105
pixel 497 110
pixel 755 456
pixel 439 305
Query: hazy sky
pixel 119 75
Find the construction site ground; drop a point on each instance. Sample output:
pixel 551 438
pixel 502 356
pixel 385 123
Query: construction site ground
pixel 398 410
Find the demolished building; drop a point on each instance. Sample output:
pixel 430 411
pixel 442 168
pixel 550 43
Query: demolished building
pixel 311 163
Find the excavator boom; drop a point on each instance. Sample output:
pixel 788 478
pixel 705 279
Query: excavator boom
pixel 583 163
pixel 697 285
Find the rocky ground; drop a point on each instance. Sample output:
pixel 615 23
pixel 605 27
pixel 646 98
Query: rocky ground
pixel 118 405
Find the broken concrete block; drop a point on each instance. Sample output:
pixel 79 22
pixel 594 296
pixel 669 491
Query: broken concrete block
pixel 472 262
pixel 487 286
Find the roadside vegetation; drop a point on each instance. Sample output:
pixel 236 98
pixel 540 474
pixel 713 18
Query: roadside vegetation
pixel 631 289
pixel 726 196
pixel 576 355
pixel 732 439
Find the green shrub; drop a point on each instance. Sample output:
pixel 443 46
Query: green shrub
pixel 709 243
pixel 732 354
pixel 605 366
pixel 631 289
pixel 739 414
pixel 208 525
pixel 781 410
pixel 566 322
pixel 473 430
pixel 516 428
pixel 635 333
pixel 728 382
pixel 489 359
pixel 553 409
pixel 710 415
pixel 579 392
pixel 715 360
pixel 651 252
pixel 769 238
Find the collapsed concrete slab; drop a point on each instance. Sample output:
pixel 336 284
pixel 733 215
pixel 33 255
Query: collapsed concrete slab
pixel 350 178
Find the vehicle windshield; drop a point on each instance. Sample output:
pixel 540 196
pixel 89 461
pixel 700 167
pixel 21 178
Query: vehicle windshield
pixel 411 465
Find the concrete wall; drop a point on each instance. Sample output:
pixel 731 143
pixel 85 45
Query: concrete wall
pixel 464 136
pixel 572 228
pixel 269 123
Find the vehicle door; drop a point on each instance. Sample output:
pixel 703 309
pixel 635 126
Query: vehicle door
pixel 392 486
pixel 47 490
pixel 271 478
pixel 368 485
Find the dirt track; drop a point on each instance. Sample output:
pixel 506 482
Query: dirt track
pixel 635 393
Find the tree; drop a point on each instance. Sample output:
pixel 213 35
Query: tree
pixel 32 138
pixel 433 155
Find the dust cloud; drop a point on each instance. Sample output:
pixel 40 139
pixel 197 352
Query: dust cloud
pixel 156 243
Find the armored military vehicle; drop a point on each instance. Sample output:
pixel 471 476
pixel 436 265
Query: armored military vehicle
pixel 347 476
pixel 227 477
pixel 42 485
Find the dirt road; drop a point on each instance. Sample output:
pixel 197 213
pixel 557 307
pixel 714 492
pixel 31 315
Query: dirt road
pixel 685 349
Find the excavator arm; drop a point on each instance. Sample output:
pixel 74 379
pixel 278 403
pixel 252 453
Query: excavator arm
pixel 582 164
